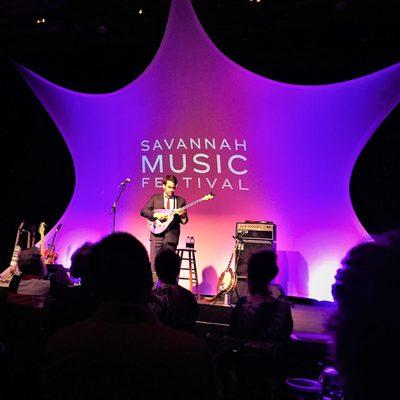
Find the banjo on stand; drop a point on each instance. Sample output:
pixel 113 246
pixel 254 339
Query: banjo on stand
pixel 228 279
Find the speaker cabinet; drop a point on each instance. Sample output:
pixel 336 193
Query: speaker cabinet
pixel 242 290
pixel 245 250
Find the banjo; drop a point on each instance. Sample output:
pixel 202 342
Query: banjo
pixel 159 226
pixel 228 279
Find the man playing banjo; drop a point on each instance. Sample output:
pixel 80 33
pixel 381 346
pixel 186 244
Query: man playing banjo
pixel 165 214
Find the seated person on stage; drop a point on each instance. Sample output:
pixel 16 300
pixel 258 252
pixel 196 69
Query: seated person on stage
pixel 367 324
pixel 121 352
pixel 260 316
pixel 172 304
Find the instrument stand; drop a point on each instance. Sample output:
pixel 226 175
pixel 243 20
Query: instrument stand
pixel 229 303
pixel 114 206
pixel 238 241
pixel 226 298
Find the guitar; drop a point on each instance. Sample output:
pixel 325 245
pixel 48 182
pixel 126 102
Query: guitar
pixel 41 233
pixel 8 273
pixel 157 226
pixel 50 255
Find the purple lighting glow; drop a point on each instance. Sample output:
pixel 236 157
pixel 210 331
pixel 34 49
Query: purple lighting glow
pixel 269 150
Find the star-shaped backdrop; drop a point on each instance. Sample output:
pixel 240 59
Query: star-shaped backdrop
pixel 269 150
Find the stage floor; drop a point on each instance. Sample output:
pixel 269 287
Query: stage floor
pixel 310 317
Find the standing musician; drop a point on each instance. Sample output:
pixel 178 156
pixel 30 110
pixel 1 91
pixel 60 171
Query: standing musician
pixel 169 238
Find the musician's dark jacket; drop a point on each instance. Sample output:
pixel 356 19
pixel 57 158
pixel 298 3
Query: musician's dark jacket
pixel 157 201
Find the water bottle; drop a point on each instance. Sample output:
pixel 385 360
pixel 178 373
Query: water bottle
pixel 189 242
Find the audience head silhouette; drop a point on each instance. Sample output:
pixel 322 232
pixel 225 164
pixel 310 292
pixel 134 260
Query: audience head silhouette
pixel 121 352
pixel 367 324
pixel 262 268
pixel 168 265
pixel 30 262
pixel 119 269
pixel 79 261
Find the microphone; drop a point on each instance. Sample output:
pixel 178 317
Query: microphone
pixel 125 181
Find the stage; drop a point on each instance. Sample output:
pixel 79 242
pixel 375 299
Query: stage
pixel 310 348
pixel 309 317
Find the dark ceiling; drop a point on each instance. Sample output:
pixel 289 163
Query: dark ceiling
pixel 82 43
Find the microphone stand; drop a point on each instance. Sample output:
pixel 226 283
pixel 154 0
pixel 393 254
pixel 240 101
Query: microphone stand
pixel 114 205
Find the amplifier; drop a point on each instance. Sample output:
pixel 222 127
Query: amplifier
pixel 246 249
pixel 257 230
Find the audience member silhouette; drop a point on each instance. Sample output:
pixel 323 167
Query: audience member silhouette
pixel 260 316
pixel 27 298
pixel 262 325
pixel 121 352
pixel 29 288
pixel 367 324
pixel 172 305
pixel 78 268
pixel 75 303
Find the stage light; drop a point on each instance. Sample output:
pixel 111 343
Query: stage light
pixel 40 21
pixel 140 12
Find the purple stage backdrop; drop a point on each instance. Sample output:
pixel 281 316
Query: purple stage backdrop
pixel 269 150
